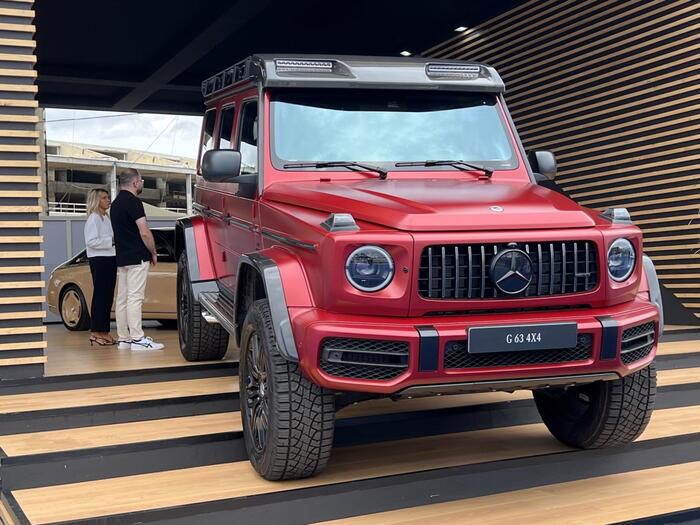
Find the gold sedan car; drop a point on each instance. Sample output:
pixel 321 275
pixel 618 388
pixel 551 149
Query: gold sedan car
pixel 70 287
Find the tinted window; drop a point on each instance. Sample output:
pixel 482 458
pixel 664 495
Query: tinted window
pixel 164 246
pixel 248 138
pixel 226 128
pixel 389 126
pixel 80 258
pixel 208 132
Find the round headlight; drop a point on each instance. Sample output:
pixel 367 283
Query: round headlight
pixel 621 258
pixel 369 268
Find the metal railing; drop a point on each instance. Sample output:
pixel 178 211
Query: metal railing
pixel 67 208
pixel 80 208
pixel 176 210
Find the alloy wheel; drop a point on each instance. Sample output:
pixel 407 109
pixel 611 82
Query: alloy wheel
pixel 257 393
pixel 71 308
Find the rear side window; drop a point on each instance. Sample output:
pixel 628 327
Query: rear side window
pixel 164 247
pixel 248 137
pixel 226 127
pixel 207 133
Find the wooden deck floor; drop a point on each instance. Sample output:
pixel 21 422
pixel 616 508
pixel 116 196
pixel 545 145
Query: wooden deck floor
pixel 70 352
pixel 166 445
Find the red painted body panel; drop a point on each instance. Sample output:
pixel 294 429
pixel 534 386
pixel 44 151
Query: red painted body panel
pixel 296 285
pixel 311 326
pixel 204 258
pixel 404 214
pixel 440 205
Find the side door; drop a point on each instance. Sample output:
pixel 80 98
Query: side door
pixel 227 263
pixel 217 129
pixel 241 205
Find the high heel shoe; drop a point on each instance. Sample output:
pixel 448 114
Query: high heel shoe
pixel 99 341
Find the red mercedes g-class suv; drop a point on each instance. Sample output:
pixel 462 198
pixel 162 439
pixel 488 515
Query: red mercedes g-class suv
pixel 373 227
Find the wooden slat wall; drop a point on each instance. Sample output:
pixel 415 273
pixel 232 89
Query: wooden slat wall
pixel 21 288
pixel 612 87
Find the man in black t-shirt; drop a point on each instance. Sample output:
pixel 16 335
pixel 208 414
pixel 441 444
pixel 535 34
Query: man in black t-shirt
pixel 136 250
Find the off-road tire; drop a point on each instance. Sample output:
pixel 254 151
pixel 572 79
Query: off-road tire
pixel 199 340
pixel 301 415
pixel 601 414
pixel 83 322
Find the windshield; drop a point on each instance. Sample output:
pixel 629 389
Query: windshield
pixel 388 126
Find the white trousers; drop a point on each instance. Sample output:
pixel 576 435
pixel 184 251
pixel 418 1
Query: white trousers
pixel 131 288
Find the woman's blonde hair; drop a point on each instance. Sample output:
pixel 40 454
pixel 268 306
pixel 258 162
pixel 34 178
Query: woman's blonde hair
pixel 93 200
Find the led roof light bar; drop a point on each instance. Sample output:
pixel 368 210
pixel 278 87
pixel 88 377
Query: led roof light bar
pixel 303 66
pixel 453 71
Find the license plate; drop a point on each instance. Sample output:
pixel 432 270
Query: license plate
pixel 481 340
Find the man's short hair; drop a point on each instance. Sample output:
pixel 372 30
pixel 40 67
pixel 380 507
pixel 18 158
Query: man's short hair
pixel 127 176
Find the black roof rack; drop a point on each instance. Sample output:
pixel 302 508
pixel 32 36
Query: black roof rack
pixel 239 72
pixel 298 71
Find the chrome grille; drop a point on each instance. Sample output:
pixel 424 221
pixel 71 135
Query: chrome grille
pixel 461 271
pixel 637 342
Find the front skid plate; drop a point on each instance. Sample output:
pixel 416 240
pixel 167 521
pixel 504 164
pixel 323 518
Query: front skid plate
pixel 507 385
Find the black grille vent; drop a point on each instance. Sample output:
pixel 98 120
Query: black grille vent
pixel 364 358
pixel 456 355
pixel 637 342
pixel 461 271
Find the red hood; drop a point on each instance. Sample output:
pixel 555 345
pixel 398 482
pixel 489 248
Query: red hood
pixel 437 205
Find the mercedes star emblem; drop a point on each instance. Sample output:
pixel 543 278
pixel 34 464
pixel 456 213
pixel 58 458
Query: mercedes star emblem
pixel 511 271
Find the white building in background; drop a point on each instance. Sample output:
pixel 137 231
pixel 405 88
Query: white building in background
pixel 74 169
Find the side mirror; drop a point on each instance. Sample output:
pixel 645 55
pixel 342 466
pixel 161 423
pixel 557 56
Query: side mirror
pixel 221 165
pixel 543 163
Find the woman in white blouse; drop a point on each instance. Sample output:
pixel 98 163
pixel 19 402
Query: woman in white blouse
pixel 99 240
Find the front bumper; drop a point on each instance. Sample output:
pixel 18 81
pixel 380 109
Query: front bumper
pixel 427 338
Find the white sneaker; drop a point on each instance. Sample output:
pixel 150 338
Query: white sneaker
pixel 124 345
pixel 146 343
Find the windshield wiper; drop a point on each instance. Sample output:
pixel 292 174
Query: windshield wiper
pixel 459 164
pixel 339 164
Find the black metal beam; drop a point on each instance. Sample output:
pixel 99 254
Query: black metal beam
pixel 64 79
pixel 226 24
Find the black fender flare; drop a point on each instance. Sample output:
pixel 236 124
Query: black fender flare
pixel 654 289
pixel 271 277
pixel 185 242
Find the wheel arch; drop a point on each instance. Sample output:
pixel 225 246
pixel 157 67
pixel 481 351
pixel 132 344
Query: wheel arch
pixel 654 288
pixel 192 239
pixel 269 274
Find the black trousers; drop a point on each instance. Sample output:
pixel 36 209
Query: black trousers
pixel 104 278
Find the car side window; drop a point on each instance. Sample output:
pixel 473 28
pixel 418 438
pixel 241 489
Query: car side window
pixel 226 127
pixel 163 248
pixel 207 133
pixel 248 137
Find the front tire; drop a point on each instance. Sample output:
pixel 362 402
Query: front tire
pixel 288 421
pixel 74 310
pixel 601 414
pixel 199 340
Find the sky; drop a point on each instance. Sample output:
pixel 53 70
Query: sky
pixel 168 134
